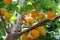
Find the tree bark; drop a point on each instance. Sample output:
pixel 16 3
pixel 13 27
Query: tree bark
pixel 11 37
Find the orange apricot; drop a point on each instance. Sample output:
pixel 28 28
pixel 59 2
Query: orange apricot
pixel 35 33
pixel 30 38
pixel 30 20
pixel 7 15
pixel 41 16
pixel 3 11
pixel 7 1
pixel 34 14
pixel 51 15
pixel 41 30
pixel 24 37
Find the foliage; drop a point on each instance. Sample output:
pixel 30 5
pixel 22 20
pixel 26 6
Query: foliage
pixel 40 6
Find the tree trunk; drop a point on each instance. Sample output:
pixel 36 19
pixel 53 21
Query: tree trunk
pixel 11 36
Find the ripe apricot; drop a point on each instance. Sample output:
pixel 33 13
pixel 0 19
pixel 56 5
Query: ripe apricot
pixel 30 20
pixel 26 16
pixel 30 38
pixel 51 15
pixel 35 33
pixel 24 37
pixel 41 16
pixel 7 15
pixel 41 30
pixel 34 14
pixel 3 11
pixel 7 1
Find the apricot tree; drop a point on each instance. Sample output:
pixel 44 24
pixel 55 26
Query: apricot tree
pixel 29 19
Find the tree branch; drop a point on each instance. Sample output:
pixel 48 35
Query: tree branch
pixel 22 2
pixel 3 24
pixel 16 26
pixel 37 25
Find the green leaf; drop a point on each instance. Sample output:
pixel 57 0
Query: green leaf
pixel 13 19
